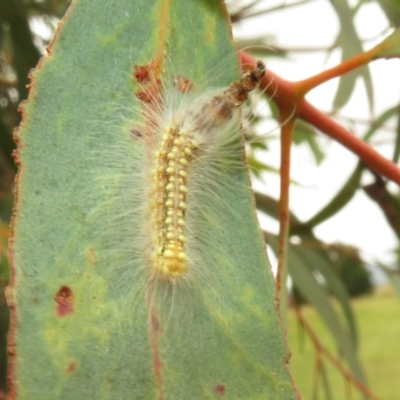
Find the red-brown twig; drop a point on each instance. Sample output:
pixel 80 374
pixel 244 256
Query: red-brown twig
pixel 289 96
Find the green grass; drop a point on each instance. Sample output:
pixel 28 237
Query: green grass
pixel 378 319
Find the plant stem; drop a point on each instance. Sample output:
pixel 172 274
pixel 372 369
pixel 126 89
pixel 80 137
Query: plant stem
pixel 288 96
pixel 284 219
pixel 357 61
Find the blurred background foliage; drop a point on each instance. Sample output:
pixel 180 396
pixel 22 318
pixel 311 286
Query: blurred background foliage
pixel 324 275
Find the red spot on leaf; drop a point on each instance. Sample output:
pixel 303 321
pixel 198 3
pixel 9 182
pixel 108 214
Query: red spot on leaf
pixel 150 86
pixel 64 301
pixel 151 94
pixel 141 73
pixel 143 96
pixel 220 389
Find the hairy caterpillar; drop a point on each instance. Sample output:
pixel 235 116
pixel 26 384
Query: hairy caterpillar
pixel 178 149
pixel 182 136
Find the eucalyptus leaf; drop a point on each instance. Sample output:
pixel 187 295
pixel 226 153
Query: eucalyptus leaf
pixel 83 325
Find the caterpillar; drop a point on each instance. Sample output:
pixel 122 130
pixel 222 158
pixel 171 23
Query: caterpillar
pixel 171 158
pixel 186 130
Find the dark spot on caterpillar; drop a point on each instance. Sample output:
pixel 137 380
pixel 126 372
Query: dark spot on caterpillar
pixel 64 301
pixel 220 389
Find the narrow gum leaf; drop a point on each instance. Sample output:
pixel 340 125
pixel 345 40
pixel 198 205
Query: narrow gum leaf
pixel 81 325
pixel 351 45
pixel 302 273
pixel 389 47
pixel 344 195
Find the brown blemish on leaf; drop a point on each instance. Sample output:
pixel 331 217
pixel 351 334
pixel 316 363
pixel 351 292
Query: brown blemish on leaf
pixel 91 256
pixel 9 295
pixel 15 155
pixel 11 351
pixel 141 73
pixel 64 301
pixel 220 390
pixel 71 367
pixel 157 365
pixel 143 96
pixel 183 84
pixel 151 93
pixel 136 134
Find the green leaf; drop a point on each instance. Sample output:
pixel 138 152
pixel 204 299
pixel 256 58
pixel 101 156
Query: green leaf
pixel 325 382
pixel 391 9
pixel 316 256
pixel 303 273
pixel 270 206
pixel 396 151
pixel 390 47
pixel 386 115
pixel 86 323
pixel 351 45
pixel 257 167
